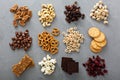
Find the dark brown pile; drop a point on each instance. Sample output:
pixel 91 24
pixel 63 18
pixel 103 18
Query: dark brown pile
pixel 21 40
pixel 73 13
pixel 69 65
pixel 95 66
pixel 21 15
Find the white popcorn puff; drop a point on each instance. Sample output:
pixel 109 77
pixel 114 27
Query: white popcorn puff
pixel 48 65
pixel 100 12
pixel 72 40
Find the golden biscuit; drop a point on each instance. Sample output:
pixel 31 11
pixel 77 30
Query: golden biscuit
pixel 94 45
pixel 100 38
pixel 102 44
pixel 94 50
pixel 94 32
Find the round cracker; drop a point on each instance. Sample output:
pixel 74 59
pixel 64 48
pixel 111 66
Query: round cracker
pixel 94 32
pixel 101 38
pixel 94 45
pixel 94 50
pixel 102 44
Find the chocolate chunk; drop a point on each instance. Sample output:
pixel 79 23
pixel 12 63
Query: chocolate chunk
pixel 69 65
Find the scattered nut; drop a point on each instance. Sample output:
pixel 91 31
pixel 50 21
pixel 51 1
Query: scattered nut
pixel 21 15
pixel 46 14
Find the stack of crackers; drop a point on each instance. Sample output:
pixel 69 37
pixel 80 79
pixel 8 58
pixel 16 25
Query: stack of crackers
pixel 25 63
pixel 99 39
pixel 69 65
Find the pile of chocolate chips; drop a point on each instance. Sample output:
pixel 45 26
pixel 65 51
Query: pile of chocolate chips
pixel 21 40
pixel 73 13
pixel 69 65
pixel 95 66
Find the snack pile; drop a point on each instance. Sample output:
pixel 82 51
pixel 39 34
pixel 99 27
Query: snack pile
pixel 100 12
pixel 95 66
pixel 48 65
pixel 21 15
pixel 48 42
pixel 72 40
pixel 46 14
pixel 73 13
pixel 69 65
pixel 25 63
pixel 21 40
pixel 99 39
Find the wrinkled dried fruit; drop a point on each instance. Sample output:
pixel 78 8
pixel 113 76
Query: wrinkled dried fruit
pixel 95 66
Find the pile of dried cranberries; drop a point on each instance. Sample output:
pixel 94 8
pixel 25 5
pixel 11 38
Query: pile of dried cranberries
pixel 95 66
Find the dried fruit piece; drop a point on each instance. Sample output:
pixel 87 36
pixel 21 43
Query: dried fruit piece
pixel 73 13
pixel 95 66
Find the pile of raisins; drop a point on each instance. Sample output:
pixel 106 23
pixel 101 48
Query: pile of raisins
pixel 73 13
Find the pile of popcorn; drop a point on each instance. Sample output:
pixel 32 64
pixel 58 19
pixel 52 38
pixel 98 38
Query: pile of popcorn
pixel 72 40
pixel 48 65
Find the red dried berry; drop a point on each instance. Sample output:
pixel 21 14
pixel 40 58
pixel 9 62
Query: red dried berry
pixel 95 66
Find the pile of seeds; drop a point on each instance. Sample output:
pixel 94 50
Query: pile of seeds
pixel 48 42
pixel 21 40
pixel 48 65
pixel 72 40
pixel 100 12
pixel 95 66
pixel 99 40
pixel 73 13
pixel 46 14
pixel 55 32
pixel 69 65
pixel 21 15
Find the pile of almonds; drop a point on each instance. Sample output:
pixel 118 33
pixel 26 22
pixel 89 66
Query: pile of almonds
pixel 100 12
pixel 95 66
pixel 21 15
pixel 73 13
pixel 21 40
